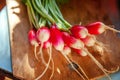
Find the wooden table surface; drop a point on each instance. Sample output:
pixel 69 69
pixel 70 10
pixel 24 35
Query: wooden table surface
pixel 2 4
pixel 26 66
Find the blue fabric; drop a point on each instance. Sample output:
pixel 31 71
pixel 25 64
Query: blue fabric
pixel 115 76
pixel 5 57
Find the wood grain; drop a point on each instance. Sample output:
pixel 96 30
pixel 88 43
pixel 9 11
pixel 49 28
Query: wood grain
pixel 75 11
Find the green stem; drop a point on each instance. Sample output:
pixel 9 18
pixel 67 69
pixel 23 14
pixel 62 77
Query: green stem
pixel 32 14
pixel 40 9
pixel 59 23
pixel 59 14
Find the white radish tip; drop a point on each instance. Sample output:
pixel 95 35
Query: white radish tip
pixel 90 42
pixel 83 53
pixel 59 46
pixel 34 42
pixel 44 36
pixel 66 50
pixel 83 33
pixel 102 28
pixel 78 44
pixel 46 44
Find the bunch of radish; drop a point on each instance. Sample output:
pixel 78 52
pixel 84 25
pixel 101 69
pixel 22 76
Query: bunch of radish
pixel 51 30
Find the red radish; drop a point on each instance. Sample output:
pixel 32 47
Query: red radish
pixel 98 28
pixel 80 52
pixel 72 41
pixel 43 34
pixel 89 40
pixel 32 37
pixel 56 38
pixel 46 44
pixel 33 41
pixel 79 31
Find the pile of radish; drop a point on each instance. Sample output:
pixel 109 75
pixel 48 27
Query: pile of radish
pixel 51 30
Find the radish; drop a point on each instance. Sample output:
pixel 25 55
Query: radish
pixel 89 40
pixel 57 41
pixel 72 41
pixel 46 44
pixel 79 31
pixel 43 35
pixel 98 28
pixel 56 38
pixel 33 40
pixel 80 52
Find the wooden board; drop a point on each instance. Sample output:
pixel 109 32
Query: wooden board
pixel 2 4
pixel 26 66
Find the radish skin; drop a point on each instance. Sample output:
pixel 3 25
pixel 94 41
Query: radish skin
pixel 72 41
pixel 98 28
pixel 89 41
pixel 79 31
pixel 56 38
pixel 43 34
pixel 46 44
pixel 33 41
pixel 80 52
pixel 32 37
pixel 66 50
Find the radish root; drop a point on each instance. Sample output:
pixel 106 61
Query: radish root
pixel 48 51
pixel 72 65
pixel 52 68
pixel 112 29
pixel 81 69
pixel 41 53
pixel 98 64
pixel 113 70
pixel 47 66
pixel 99 47
pixel 35 47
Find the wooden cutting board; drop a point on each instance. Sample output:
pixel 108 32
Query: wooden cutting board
pixel 75 11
